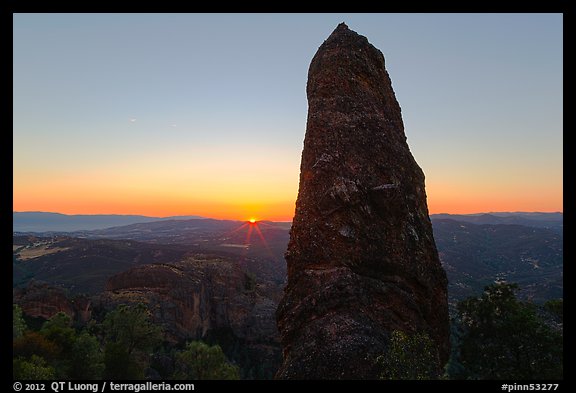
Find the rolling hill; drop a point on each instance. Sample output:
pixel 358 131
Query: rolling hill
pixel 221 280
pixel 56 222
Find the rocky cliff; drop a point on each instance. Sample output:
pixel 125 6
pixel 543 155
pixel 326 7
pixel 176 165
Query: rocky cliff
pixel 41 300
pixel 207 298
pixel 362 261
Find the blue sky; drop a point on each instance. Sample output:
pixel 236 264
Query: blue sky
pixel 126 105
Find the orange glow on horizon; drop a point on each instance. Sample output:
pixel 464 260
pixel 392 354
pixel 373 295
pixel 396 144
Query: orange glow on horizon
pixel 225 183
pixel 274 211
pixel 477 200
pixel 270 214
pixel 463 202
pixel 66 198
pixel 80 196
pixel 220 183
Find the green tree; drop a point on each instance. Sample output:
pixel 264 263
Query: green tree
pixel 33 343
pixel 86 358
pixel 59 320
pixel 34 368
pixel 556 308
pixel 18 323
pixel 118 364
pixel 131 327
pixel 413 357
pixel 200 361
pixel 503 338
pixel 57 351
pixel 58 329
pixel 130 337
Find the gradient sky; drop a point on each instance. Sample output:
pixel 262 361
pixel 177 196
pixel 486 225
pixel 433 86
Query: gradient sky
pixel 205 114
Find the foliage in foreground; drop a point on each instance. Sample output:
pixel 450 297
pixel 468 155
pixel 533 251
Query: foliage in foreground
pixel 413 357
pixel 56 351
pixel 130 339
pixel 497 337
pixel 121 347
pixel 200 361
pixel 501 337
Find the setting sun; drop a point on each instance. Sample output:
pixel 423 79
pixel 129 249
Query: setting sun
pixel 164 159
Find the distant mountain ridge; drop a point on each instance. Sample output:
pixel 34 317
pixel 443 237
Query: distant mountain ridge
pixel 531 219
pixel 39 222
pixel 57 222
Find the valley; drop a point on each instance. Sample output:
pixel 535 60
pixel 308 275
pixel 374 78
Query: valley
pixel 221 281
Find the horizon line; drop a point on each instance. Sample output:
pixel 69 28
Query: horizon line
pixel 198 216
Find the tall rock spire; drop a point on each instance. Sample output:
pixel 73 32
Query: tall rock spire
pixel 362 261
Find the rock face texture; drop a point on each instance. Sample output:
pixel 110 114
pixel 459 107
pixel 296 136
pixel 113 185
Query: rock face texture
pixel 41 300
pixel 206 298
pixel 362 261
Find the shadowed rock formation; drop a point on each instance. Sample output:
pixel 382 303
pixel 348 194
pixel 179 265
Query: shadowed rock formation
pixel 41 300
pixel 362 261
pixel 207 298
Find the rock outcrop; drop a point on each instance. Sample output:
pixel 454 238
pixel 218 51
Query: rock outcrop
pixel 362 261
pixel 207 298
pixel 41 300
